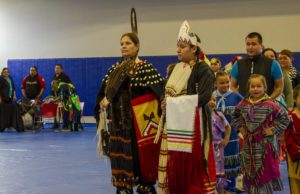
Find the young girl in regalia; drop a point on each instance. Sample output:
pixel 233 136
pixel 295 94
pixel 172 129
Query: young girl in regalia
pixel 220 126
pixel 226 103
pixel 259 119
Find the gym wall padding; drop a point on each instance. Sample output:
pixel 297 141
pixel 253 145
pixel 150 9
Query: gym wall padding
pixel 87 73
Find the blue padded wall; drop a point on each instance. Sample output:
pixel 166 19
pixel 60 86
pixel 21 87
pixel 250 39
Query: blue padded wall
pixel 86 73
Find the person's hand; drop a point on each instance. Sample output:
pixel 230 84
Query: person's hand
pixel 240 136
pixel 163 105
pixel 223 143
pixel 103 103
pixel 54 99
pixel 243 132
pixel 36 101
pixel 268 131
pixel 14 98
pixel 281 139
pixel 37 97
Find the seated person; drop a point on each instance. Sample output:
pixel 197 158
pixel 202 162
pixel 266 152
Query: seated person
pixel 66 94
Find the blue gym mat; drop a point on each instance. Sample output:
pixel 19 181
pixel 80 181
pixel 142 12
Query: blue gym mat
pixel 53 162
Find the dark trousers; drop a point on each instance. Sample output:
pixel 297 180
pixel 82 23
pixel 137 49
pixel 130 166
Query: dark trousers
pixel 75 118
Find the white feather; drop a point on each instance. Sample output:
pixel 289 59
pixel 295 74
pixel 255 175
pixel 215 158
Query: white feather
pixel 184 30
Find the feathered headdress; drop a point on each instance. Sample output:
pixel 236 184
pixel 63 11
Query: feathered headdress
pixel 229 65
pixel 187 36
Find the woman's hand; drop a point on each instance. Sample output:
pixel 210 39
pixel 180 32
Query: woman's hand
pixel 104 103
pixel 281 139
pixel 14 97
pixel 243 132
pixel 268 131
pixel 223 143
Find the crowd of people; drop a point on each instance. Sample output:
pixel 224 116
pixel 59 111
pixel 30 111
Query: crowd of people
pixel 63 94
pixel 194 131
pixel 204 125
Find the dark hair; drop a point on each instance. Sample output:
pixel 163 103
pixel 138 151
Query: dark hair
pixel 272 50
pixel 215 111
pixel 218 114
pixel 170 69
pixel 5 68
pixel 296 92
pixel 261 77
pixel 198 38
pixel 59 65
pixel 255 35
pixel 287 53
pixel 133 37
pixel 198 51
pixel 220 74
pixel 35 67
pixel 216 60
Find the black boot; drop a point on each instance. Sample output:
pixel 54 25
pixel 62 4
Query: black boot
pixel 76 127
pixel 70 125
pixel 80 126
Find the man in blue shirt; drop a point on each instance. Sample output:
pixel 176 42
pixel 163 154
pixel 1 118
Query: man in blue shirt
pixel 256 63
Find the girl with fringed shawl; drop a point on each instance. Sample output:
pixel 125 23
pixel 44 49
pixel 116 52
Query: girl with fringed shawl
pixel 186 163
pixel 132 88
pixel 259 119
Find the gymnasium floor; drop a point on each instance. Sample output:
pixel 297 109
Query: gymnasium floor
pixel 52 162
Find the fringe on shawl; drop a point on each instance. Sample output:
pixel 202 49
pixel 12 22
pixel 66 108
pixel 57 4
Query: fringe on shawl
pixel 102 127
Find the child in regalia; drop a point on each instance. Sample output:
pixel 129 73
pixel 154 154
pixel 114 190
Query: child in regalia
pixel 226 103
pixel 292 139
pixel 219 127
pixel 259 119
